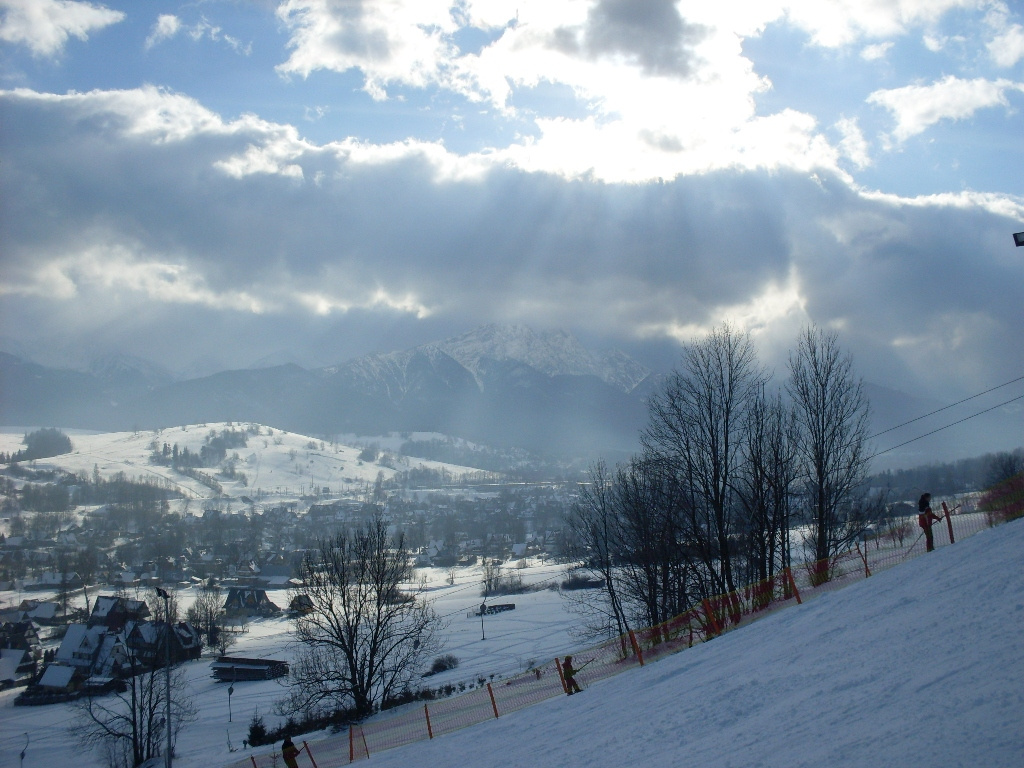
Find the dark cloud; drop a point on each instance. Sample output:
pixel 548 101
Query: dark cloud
pixel 650 33
pixel 921 294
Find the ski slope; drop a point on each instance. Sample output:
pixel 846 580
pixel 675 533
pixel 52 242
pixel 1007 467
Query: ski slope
pixel 916 667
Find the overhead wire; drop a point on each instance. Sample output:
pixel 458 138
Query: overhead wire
pixel 947 426
pixel 947 407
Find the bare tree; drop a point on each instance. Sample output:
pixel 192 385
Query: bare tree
pixel 766 483
pixel 833 414
pixel 593 546
pixel 128 726
pixel 694 430
pixel 204 613
pixel 366 637
pixel 654 544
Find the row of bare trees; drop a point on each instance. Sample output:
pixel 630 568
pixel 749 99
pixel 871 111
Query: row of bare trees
pixel 732 472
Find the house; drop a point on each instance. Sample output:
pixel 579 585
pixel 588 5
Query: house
pixel 17 667
pixel 60 679
pixel 145 640
pixel 21 636
pixel 39 611
pixel 243 601
pixel 94 650
pixel 115 612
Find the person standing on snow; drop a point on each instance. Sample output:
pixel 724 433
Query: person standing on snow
pixel 571 686
pixel 290 753
pixel 925 518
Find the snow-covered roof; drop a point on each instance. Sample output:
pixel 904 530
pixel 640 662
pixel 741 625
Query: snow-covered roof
pixel 57 676
pixel 10 660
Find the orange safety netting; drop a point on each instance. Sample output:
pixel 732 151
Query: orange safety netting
pixel 427 720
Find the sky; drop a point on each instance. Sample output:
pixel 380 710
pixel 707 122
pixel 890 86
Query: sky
pixel 222 183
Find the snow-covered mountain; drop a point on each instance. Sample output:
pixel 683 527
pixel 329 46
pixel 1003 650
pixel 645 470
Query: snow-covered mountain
pixel 554 353
pixel 506 386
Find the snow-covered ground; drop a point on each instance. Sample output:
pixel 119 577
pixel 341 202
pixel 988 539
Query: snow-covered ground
pixel 918 666
pixel 276 464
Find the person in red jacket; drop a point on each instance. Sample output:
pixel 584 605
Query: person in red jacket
pixel 571 686
pixel 925 518
pixel 290 753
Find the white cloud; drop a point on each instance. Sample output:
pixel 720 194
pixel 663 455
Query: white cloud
pixel 852 145
pixel 918 107
pixel 167 26
pixel 834 23
pixel 390 41
pixel 45 25
pixel 1007 49
pixel 877 51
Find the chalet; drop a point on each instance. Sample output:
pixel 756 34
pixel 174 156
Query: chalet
pixel 17 667
pixel 146 641
pixel 94 651
pixel 242 601
pixel 21 636
pixel 38 611
pixel 115 612
pixel 59 679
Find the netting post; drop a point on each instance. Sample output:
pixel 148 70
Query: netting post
pixel 792 585
pixel 351 746
pixel 561 677
pixel 430 731
pixel 864 557
pixel 253 758
pixel 305 746
pixel 494 704
pixel 636 647
pixel 712 620
pixel 949 523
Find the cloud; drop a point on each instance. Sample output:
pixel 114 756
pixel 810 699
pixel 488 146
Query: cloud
pixel 837 23
pixel 1007 48
pixel 167 26
pixel 398 41
pixel 918 107
pixel 45 25
pixel 648 33
pixel 852 145
pixel 160 214
pixel 876 51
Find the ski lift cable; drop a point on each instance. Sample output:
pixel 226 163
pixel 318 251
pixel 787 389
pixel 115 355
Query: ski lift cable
pixel 947 426
pixel 946 407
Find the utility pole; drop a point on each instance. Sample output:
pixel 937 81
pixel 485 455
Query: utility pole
pixel 167 667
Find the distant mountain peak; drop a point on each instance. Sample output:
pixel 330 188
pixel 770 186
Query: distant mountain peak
pixel 553 353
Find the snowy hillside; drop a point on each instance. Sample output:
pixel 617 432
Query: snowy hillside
pixel 917 667
pixel 276 463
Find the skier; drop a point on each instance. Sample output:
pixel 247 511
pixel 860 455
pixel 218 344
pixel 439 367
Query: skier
pixel 925 518
pixel 290 753
pixel 571 686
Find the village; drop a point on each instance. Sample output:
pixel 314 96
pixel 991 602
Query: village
pixel 79 583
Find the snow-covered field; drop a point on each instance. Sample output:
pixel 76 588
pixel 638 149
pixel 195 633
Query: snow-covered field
pixel 277 464
pixel 538 629
pixel 918 667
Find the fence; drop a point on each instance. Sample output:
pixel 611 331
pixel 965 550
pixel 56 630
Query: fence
pixel 427 720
